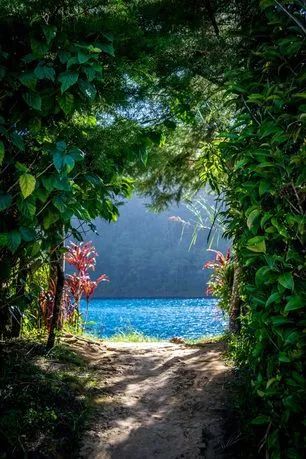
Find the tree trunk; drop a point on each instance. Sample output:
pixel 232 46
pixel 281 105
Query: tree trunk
pixel 235 306
pixel 60 279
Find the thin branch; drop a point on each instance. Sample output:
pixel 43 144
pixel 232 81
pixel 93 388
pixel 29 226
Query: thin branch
pixel 291 17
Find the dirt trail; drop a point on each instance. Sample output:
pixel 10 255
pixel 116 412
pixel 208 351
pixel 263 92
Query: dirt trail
pixel 158 400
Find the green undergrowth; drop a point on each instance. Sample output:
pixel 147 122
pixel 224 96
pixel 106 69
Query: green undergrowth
pixel 132 336
pixel 205 340
pixel 45 400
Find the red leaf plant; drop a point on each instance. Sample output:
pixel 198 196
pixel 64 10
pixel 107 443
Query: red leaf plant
pixel 83 258
pixel 220 282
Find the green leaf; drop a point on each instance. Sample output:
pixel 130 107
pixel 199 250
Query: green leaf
pixel 49 219
pixel 264 187
pixel 286 280
pixel 252 216
pixel 59 203
pixel 36 248
pixel 33 100
pixel 27 208
pixel 39 48
pixel 257 244
pixel 28 79
pixel 14 240
pixel 260 420
pixel 58 160
pixel 108 48
pixel 3 239
pixel 67 80
pixel 44 72
pixel 49 32
pixel 1 152
pixel 21 167
pixel 5 201
pixel 18 141
pixel 27 184
pixel 77 154
pixel 64 56
pixel 27 234
pixel 89 72
pixel 273 298
pixel 83 57
pixel 88 89
pixel 69 163
pixel 295 302
pixel 66 102
pixel 283 357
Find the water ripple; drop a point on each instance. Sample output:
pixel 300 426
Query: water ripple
pixel 158 317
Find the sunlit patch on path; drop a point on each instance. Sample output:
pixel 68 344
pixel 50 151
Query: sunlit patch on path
pixel 158 400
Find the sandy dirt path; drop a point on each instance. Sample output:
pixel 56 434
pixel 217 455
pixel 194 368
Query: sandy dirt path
pixel 158 400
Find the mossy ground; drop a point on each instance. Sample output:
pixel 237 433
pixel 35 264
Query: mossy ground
pixel 45 400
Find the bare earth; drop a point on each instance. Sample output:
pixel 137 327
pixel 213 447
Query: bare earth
pixel 158 400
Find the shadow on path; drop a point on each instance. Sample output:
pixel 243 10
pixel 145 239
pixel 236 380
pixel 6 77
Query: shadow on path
pixel 160 400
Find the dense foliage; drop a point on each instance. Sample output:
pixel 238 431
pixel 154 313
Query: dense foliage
pixel 204 93
pixel 265 195
pixel 52 71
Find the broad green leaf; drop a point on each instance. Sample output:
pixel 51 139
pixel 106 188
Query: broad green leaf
pixel 27 208
pixel 108 48
pixel 49 219
pixel 69 163
pixel 264 187
pixel 83 57
pixel 88 89
pixel 273 298
pixel 89 72
pixel 257 244
pixel 14 240
pixel 1 152
pixel 261 419
pixel 64 56
pixel 49 183
pixel 286 280
pixel 39 48
pixel 44 72
pixel 35 248
pixel 295 302
pixel 67 80
pixel 72 61
pixel 77 154
pixel 252 216
pixel 66 102
pixel 28 79
pixel 27 234
pixel 33 100
pixel 5 201
pixel 27 184
pixel 49 32
pixel 3 239
pixel 18 141
pixel 61 145
pixel 59 203
pixel 21 167
pixel 58 160
pixel 283 357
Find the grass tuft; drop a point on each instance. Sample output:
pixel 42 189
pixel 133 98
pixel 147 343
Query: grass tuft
pixel 132 336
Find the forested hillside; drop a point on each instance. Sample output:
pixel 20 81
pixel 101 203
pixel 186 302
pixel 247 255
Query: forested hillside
pixel 146 255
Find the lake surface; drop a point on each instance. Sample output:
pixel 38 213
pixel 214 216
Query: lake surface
pixel 158 317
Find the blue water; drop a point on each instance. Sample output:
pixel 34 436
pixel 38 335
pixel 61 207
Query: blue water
pixel 158 317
